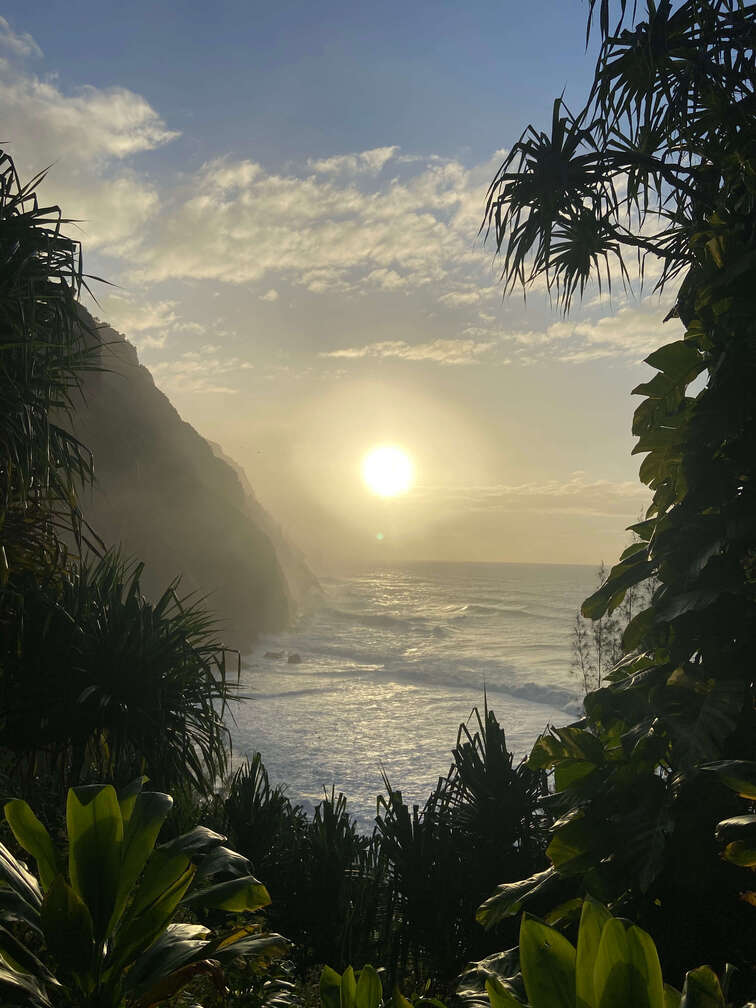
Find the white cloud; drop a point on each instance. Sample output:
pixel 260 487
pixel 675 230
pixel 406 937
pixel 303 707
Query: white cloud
pixel 440 351
pixel 147 324
pixel 370 161
pixel 575 495
pixel 20 45
pixel 88 136
pixel 270 295
pixel 198 371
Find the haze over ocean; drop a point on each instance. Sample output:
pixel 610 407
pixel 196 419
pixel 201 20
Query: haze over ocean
pixel 393 659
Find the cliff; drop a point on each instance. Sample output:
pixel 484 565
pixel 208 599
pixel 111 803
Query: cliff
pixel 167 498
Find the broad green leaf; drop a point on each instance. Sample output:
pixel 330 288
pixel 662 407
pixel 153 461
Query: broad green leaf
pixel 34 838
pixel 548 965
pixel 398 1000
pixel 569 772
pixel 236 896
pixel 260 948
pixel 19 879
pixel 680 360
pixel 671 997
pixel 645 959
pixel 95 836
pixel 738 775
pixel 508 898
pixel 348 988
pixel 330 987
pixel 170 951
pixel 701 989
pixel 223 862
pixel 127 797
pixel 499 996
pixel 592 920
pixel 68 929
pixel 161 888
pixel 369 993
pixel 16 955
pixel 196 842
pixel 146 817
pixel 618 982
pixel 24 982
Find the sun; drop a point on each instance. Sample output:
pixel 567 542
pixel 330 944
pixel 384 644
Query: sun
pixel 387 471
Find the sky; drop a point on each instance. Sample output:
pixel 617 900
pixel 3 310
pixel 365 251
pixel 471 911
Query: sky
pixel 287 200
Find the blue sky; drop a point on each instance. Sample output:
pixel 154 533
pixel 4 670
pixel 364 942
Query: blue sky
pixel 288 197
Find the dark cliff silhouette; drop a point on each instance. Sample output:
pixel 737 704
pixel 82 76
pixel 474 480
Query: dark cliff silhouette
pixel 166 497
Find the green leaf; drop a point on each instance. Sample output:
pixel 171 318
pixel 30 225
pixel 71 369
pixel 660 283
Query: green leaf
pixel 671 997
pixel 499 996
pixel 348 988
pixel 196 842
pixel 146 817
pixel 738 775
pixel 398 1000
pixel 127 797
pixel 330 987
pixel 95 836
pixel 592 920
pixel 701 989
pixel 68 929
pixel 34 838
pixel 369 992
pixel 163 884
pixel 548 965
pixel 236 896
pixel 508 898
pixel 18 957
pixel 645 959
pixel 623 976
pixel 19 879
pixel 680 360
pixel 24 982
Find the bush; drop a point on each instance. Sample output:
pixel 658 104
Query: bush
pixel 101 921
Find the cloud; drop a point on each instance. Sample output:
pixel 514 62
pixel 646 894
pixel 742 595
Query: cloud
pixel 147 324
pixel 235 222
pixel 440 351
pixel 89 136
pixel 575 495
pixel 270 295
pixel 370 161
pixel 198 371
pixel 21 46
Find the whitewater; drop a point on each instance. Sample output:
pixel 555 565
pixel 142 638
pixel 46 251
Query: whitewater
pixel 378 671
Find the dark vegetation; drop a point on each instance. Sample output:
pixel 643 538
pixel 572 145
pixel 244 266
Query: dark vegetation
pixel 641 810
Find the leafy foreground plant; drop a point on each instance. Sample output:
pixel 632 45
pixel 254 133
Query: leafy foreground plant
pixel 615 965
pixel 106 924
pixel 661 164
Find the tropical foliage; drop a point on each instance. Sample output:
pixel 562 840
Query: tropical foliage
pixel 661 163
pixel 615 963
pixel 102 919
pixel 95 681
pixel 42 352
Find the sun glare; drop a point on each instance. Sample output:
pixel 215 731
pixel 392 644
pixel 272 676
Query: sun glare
pixel 387 471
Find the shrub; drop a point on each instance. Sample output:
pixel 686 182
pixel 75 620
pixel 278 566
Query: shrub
pixel 102 919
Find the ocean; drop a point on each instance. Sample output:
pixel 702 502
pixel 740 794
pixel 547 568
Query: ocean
pixel 379 670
